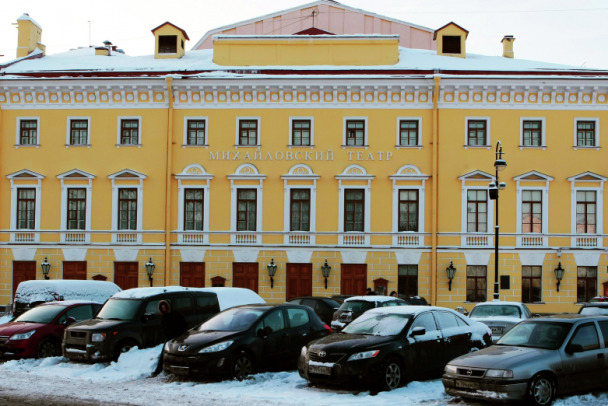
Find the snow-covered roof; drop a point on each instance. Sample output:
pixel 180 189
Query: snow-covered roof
pixel 413 310
pixel 26 17
pixel 68 289
pixel 371 298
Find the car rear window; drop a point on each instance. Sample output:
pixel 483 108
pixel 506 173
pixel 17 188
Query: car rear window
pixel 495 311
pixel 297 317
pixel 357 306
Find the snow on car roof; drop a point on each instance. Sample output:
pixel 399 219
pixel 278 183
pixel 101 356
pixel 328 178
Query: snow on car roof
pixel 372 298
pixel 69 302
pixel 49 290
pixel 413 310
pixel 499 303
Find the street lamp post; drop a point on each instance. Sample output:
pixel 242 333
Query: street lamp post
pixel 500 164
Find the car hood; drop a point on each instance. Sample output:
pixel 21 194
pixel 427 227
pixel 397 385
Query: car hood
pixel 192 341
pixel 349 342
pixel 13 327
pixel 97 324
pixel 504 357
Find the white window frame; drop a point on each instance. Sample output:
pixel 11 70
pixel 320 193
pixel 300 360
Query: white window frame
pixel 139 131
pixel 18 132
pixel 236 133
pixel 408 174
pixel 597 132
pixel 196 178
pixel 185 139
pixel 355 173
pixel 25 179
pixel 312 131
pixel 366 136
pixel 68 134
pixel 246 172
pixel 134 180
pixel 488 129
pixel 543 141
pixel 300 172
pixel 65 186
pixel 476 180
pixel 533 239
pixel 587 240
pixel 398 142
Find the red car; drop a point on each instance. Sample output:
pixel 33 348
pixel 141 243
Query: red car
pixel 38 332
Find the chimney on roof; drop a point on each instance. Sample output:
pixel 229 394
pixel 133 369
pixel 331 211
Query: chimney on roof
pixel 507 46
pixel 29 35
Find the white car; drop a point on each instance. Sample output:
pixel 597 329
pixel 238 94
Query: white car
pixel 500 316
pixel 355 306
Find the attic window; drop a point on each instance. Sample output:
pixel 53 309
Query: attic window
pixel 167 44
pixel 451 44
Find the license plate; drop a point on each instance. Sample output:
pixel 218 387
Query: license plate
pixel 466 385
pixel 496 330
pixel 320 370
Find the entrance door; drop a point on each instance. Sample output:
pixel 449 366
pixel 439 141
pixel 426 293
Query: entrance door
pixel 245 275
pixel 192 274
pixel 125 274
pixel 353 279
pixel 75 270
pixel 299 280
pixel 23 271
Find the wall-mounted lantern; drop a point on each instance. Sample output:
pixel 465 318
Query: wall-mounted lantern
pixel 325 270
pixel 150 270
pixel 451 273
pixel 272 270
pixel 46 267
pixel 559 274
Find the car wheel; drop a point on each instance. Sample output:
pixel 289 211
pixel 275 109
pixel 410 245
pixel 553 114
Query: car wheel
pixel 123 347
pixel 542 390
pixel 392 375
pixel 48 348
pixel 242 366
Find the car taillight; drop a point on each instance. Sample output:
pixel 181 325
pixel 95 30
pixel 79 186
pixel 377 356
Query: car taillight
pixel 327 328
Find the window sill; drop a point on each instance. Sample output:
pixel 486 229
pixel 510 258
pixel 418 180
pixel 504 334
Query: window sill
pixel 247 146
pixel 301 146
pixel 77 145
pixel 195 145
pixel 355 146
pixel 408 146
pixel 27 145
pixel 128 145
pixel 487 147
pixel 543 147
pixel 576 147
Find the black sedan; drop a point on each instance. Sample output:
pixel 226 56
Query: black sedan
pixel 323 306
pixel 242 340
pixel 387 346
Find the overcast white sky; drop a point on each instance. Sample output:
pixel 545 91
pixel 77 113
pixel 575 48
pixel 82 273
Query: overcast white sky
pixel 571 32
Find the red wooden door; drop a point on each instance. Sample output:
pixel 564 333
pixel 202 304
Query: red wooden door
pixel 299 280
pixel 353 279
pixel 245 275
pixel 192 274
pixel 75 270
pixel 23 271
pixel 126 274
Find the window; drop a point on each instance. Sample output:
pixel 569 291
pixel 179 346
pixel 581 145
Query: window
pixel 193 209
pixel 586 210
pixel 531 284
pixel 300 210
pixel 355 133
pixel 532 211
pixel 354 207
pixel 301 132
pixel 477 133
pixel 77 209
pixel 586 283
pixel 26 209
pixel 586 337
pixel 28 132
pixel 409 131
pixel 477 211
pixel 246 210
pixel 532 133
pixel 129 132
pixel 408 210
pixel 585 133
pixel 407 283
pixel 79 132
pixel 476 283
pixel 196 132
pixel 167 44
pixel 451 44
pixel 248 132
pixel 127 209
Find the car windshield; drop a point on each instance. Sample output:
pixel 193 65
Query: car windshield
pixel 495 311
pixel 357 306
pixel 595 310
pixel 378 324
pixel 235 319
pixel 537 334
pixel 40 314
pixel 119 309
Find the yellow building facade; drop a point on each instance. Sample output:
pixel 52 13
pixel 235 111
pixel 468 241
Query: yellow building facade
pixel 367 167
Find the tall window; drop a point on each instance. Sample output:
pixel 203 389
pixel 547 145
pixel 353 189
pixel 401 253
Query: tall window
pixel 77 209
pixel 354 209
pixel 28 132
pixel 477 211
pixel 586 283
pixel 193 209
pixel 477 132
pixel 355 132
pixel 26 209
pixel 246 210
pixel 408 280
pixel 408 210
pixel 408 132
pixel 585 133
pixel 196 132
pixel 300 132
pixel 79 132
pixel 127 209
pixel 531 284
pixel 129 132
pixel 248 132
pixel 532 211
pixel 532 133
pixel 586 212
pixel 300 210
pixel 477 283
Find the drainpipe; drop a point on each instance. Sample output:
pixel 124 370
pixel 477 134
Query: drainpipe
pixel 435 190
pixel 169 164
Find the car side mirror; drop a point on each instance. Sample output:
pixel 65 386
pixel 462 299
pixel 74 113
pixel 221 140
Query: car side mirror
pixel 572 348
pixel 70 320
pixel 418 331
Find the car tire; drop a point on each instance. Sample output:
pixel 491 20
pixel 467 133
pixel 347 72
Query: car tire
pixel 123 347
pixel 48 348
pixel 541 391
pixel 242 366
pixel 392 375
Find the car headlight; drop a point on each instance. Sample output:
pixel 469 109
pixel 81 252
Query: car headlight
pixel 450 369
pixel 98 337
pixel 363 355
pixel 303 351
pixel 23 336
pixel 499 373
pixel 166 346
pixel 216 347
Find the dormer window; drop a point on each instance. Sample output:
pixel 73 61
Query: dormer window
pixel 169 40
pixel 451 44
pixel 167 44
pixel 451 40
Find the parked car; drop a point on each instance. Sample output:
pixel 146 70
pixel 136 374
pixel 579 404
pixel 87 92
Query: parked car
pixel 535 361
pixel 355 306
pixel 500 316
pixel 244 339
pixel 325 307
pixel 31 293
pixel 131 319
pixel 599 299
pixel 38 332
pixel 388 346
pixel 594 308
pixel 414 300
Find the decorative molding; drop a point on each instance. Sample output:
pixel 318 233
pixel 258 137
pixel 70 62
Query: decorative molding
pixel 192 255
pixel 353 257
pixel 245 255
pixel 477 257
pixel 74 254
pixel 587 258
pixel 299 256
pixel 24 254
pixel 532 258
pixel 125 254
pixel 408 257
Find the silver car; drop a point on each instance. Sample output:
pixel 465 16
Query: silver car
pixel 536 360
pixel 500 316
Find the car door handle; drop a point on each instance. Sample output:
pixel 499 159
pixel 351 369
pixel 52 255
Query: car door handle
pixel 600 355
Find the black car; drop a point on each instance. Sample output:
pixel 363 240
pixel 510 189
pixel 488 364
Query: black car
pixel 355 306
pixel 323 306
pixel 388 346
pixel 242 340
